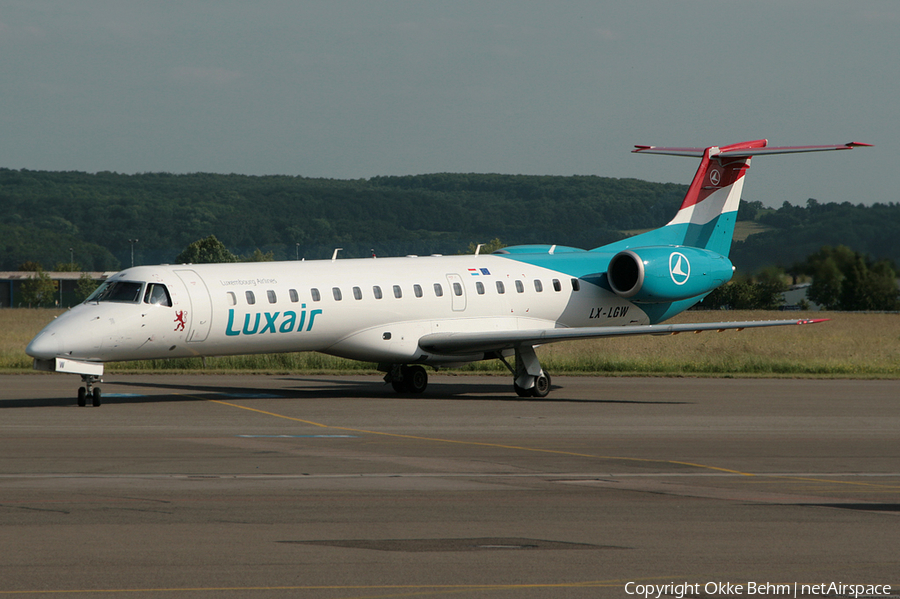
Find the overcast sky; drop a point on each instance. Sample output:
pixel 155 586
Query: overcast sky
pixel 347 90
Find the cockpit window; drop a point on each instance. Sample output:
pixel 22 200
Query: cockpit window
pixel 157 294
pixel 117 291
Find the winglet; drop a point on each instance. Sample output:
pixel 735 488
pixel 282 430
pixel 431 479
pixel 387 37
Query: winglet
pixel 812 320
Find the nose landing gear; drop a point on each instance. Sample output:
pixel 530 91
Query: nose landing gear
pixel 89 390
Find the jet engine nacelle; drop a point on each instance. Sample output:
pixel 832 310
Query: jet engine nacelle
pixel 658 274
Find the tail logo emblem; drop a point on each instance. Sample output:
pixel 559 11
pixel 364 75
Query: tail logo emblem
pixel 715 176
pixel 679 268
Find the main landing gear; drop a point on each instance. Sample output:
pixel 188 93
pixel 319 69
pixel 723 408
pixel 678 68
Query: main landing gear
pixel 529 379
pixel 407 379
pixel 539 388
pixel 89 390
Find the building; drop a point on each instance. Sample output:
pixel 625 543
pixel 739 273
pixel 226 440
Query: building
pixel 66 285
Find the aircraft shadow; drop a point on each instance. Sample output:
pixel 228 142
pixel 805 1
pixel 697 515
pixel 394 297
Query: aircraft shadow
pixel 863 507
pixel 316 388
pixel 501 390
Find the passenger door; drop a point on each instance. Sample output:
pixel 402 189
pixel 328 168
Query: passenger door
pixel 457 292
pixel 201 306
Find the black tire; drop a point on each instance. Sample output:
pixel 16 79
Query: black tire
pixel 399 386
pixel 522 391
pixel 415 379
pixel 95 397
pixel 541 385
pixel 82 397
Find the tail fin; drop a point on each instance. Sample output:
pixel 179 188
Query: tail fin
pixel 709 210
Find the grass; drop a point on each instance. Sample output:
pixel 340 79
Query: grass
pixel 849 345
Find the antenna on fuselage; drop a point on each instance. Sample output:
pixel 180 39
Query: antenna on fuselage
pixel 334 255
pixel 478 249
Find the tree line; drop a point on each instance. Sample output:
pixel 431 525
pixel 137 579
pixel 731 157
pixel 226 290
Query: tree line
pixel 88 221
pixel 47 213
pixel 840 279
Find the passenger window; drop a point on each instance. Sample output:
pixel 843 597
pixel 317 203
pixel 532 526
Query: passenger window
pixel 576 285
pixel 520 287
pixel 294 296
pixel 438 290
pixel 457 289
pixel 500 288
pixel 336 291
pixel 398 293
pixel 271 295
pixel 232 298
pixel 251 299
pixel 479 287
pixel 417 289
pixel 538 286
pixel 357 293
pixel 316 296
pixel 557 286
pixel 158 295
pixel 376 290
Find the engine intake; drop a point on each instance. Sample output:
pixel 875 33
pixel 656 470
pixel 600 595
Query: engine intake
pixel 657 274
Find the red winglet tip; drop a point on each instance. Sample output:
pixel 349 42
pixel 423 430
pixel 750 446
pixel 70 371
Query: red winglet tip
pixel 812 320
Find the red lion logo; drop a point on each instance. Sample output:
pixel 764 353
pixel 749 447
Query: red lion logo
pixel 179 320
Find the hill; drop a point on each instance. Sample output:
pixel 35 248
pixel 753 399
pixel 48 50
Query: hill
pixel 50 216
pixel 795 232
pixel 96 214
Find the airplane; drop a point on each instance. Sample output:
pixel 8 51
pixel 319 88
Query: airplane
pixel 405 313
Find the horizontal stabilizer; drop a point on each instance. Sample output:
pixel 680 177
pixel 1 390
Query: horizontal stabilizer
pixel 744 151
pixel 708 212
pixel 457 343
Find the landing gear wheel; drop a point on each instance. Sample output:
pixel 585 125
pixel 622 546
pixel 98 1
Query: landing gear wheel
pixel 415 379
pixel 89 390
pixel 521 391
pixel 541 385
pixel 527 363
pixel 540 388
pixel 407 379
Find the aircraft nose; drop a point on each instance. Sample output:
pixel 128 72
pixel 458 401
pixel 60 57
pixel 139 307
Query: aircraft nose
pixel 46 346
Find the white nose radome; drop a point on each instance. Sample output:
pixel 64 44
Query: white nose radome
pixel 46 346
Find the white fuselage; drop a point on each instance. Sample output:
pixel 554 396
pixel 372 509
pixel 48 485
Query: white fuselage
pixel 330 306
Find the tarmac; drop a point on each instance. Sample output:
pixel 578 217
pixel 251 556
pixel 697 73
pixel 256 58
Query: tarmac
pixel 184 486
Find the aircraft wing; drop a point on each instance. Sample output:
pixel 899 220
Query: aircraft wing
pixel 462 343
